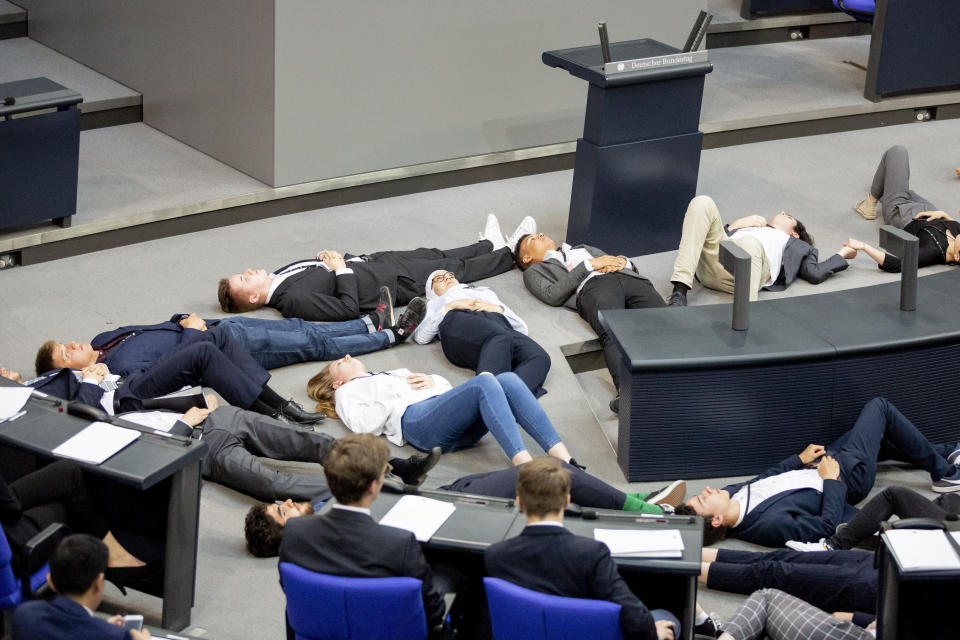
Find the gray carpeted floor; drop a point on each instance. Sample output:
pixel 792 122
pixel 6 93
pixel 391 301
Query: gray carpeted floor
pixel 817 179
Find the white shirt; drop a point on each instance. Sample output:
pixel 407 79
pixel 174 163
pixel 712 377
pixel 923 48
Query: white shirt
pixel 773 241
pixel 774 485
pixel 303 265
pixel 375 403
pixel 436 312
pixel 545 523
pixel 347 507
pixel 572 258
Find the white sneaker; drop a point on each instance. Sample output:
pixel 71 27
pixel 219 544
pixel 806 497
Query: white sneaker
pixel 527 225
pixel 491 231
pixel 796 545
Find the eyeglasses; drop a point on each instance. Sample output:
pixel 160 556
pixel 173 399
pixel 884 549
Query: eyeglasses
pixel 446 275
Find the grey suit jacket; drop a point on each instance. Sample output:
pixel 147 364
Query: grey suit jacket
pixel 801 259
pixel 550 281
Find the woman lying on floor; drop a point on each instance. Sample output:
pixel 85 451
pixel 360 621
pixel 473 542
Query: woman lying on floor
pixel 426 411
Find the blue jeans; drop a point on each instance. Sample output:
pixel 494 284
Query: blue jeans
pixel 881 432
pixel 277 343
pixel 458 418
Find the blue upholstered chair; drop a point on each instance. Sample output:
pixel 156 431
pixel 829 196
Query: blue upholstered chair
pixel 325 607
pixel 521 614
pixel 862 10
pixel 15 590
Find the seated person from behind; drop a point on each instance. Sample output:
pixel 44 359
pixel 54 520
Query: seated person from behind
pixel 780 250
pixel 76 574
pixel 479 332
pixel 346 541
pixel 547 558
pixel 587 280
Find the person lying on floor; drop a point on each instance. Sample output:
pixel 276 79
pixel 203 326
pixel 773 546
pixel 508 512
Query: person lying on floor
pixel 479 332
pixel 426 411
pixel 892 501
pixel 334 287
pixel 792 501
pixel 158 359
pixel 774 613
pixel 264 522
pixel 832 580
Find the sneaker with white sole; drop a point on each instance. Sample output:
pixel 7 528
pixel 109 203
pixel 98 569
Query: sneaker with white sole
pixel 820 545
pixel 491 231
pixel 948 483
pixel 954 457
pixel 672 494
pixel 527 226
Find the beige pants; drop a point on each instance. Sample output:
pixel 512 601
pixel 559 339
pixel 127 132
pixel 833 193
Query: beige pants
pixel 699 251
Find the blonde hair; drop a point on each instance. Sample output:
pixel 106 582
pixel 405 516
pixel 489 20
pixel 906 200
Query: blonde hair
pixel 320 390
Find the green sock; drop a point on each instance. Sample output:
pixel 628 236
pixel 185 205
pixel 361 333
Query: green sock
pixel 635 502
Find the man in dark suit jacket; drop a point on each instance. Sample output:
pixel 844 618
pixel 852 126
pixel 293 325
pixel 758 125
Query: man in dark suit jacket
pixel 546 557
pixel 793 501
pixel 587 280
pixel 162 358
pixel 347 541
pixel 780 251
pixel 76 574
pixel 334 288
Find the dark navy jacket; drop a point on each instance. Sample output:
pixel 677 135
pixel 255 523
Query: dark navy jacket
pixel 62 618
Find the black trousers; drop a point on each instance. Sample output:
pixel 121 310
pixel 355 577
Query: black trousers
pixel 485 341
pixel 54 493
pixel 469 264
pixel 585 489
pixel 237 439
pixel 614 291
pixel 900 501
pixel 830 580
pixel 215 360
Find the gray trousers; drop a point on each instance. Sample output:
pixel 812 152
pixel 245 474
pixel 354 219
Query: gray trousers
pixel 237 437
pixel 780 616
pixel 891 186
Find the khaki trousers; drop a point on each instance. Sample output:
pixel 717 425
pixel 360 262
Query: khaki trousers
pixel 699 251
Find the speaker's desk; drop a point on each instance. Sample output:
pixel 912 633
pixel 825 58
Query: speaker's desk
pixel 699 400
pixel 149 472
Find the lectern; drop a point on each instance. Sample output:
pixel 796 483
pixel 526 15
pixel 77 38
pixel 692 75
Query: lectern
pixel 637 162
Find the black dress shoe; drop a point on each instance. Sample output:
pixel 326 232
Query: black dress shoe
pixel 414 470
pixel 615 404
pixel 295 413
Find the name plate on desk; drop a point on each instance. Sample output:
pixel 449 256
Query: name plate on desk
pixel 656 62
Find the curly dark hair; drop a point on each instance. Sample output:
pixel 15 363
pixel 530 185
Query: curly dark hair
pixel 262 532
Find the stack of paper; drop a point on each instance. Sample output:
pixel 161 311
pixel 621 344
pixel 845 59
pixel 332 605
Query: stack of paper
pixel 922 549
pixel 642 543
pixel 12 400
pixel 421 516
pixel 96 443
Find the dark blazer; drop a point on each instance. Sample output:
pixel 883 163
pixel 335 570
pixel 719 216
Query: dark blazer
pixel 347 543
pixel 552 560
pixel 550 282
pixel 801 259
pixel 318 294
pixel 62 618
pixel 142 351
pixel 804 514
pixel 61 383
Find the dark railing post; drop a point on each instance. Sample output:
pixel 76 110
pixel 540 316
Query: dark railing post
pixel 737 261
pixel 906 247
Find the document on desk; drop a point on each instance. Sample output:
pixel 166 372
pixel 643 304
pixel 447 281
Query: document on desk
pixel 96 443
pixel 421 516
pixel 922 549
pixel 641 543
pixel 12 400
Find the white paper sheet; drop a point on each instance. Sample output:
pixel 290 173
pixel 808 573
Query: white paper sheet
pixel 96 443
pixel 421 516
pixel 642 543
pixel 956 536
pixel 12 400
pixel 919 549
pixel 159 420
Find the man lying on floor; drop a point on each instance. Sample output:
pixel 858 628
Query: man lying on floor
pixel 264 523
pixel 792 501
pixel 159 359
